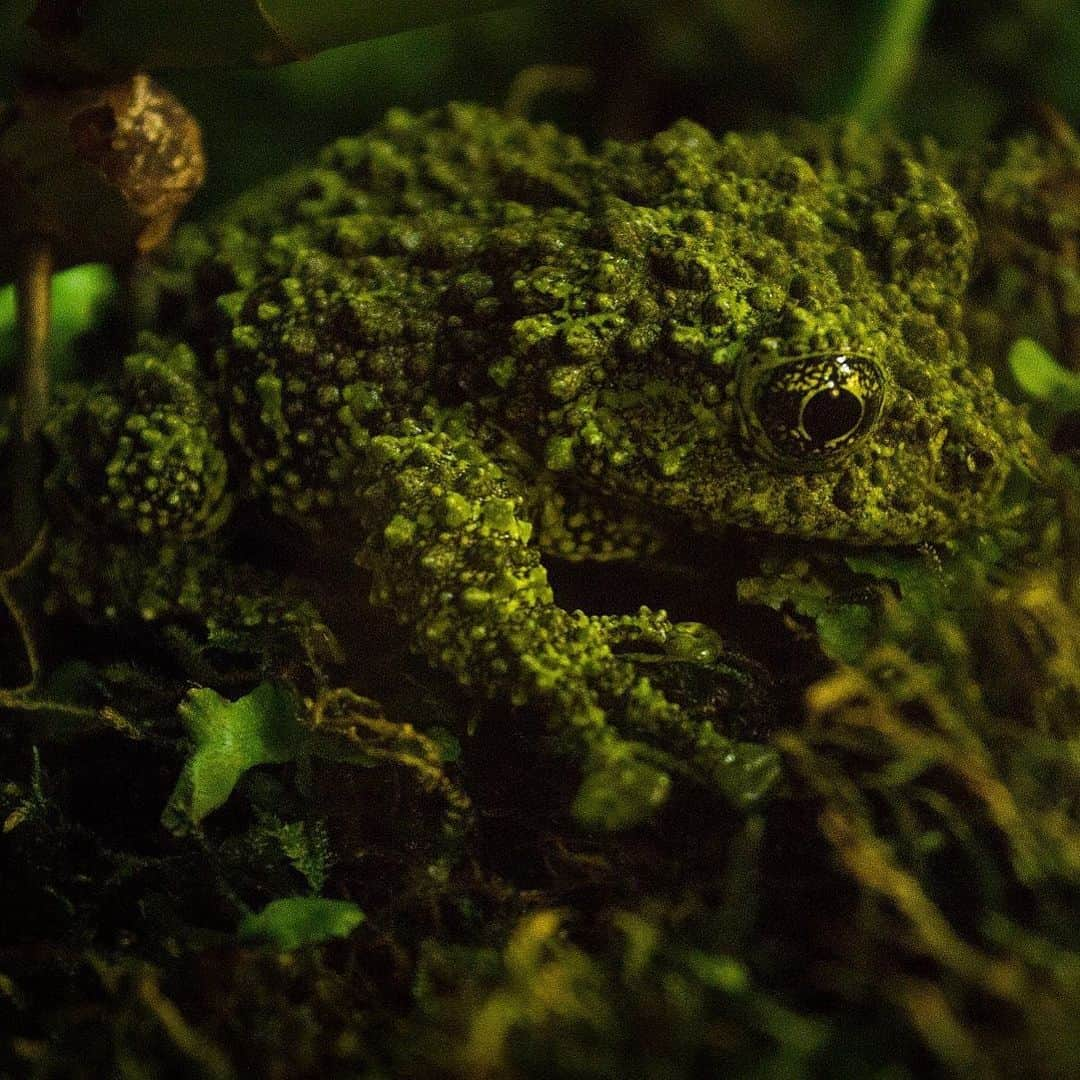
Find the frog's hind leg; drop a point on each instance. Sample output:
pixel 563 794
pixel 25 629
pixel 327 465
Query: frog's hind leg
pixel 452 552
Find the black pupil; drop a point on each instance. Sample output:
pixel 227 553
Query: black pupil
pixel 831 414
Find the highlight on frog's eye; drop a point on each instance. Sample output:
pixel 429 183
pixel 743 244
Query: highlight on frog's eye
pixel 808 412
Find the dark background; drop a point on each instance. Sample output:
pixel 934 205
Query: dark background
pixel 975 69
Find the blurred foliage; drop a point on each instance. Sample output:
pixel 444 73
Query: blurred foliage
pixel 295 921
pixel 1053 390
pixel 353 894
pixel 79 297
pixel 971 71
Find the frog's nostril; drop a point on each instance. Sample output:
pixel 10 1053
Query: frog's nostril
pixel 970 462
pixel 979 462
pixel 977 466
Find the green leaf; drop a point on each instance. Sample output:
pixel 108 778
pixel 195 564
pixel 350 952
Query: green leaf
pixel 230 737
pixel 1042 378
pixel 844 629
pixel 296 921
pixel 924 585
pixel 908 570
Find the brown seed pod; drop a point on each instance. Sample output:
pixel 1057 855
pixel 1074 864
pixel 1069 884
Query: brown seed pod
pixel 100 172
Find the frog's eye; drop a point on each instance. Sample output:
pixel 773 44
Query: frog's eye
pixel 806 412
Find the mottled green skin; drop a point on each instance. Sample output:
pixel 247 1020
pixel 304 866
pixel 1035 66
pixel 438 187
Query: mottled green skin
pixel 1024 195
pixel 461 341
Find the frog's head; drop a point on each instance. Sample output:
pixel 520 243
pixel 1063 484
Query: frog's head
pixel 867 439
pixel 838 423
pixel 851 418
pixel 817 382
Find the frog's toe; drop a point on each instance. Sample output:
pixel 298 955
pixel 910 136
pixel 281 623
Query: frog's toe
pixel 710 683
pixel 621 794
pixel 683 706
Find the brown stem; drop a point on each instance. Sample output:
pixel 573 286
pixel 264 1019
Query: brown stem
pixel 20 592
pixel 34 305
pixel 35 313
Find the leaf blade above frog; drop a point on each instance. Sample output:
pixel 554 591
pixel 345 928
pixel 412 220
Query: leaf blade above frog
pixel 458 322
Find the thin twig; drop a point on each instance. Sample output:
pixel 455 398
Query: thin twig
pixel 531 82
pixel 7 597
pixel 34 303
pixel 34 310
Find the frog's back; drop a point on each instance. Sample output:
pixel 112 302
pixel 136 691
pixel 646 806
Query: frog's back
pixel 573 296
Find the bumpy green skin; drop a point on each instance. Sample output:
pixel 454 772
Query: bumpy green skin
pixel 604 310
pixel 1024 195
pixel 459 327
pixel 150 462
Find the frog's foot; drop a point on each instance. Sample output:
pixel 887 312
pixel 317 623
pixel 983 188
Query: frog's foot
pixel 451 551
pixel 141 454
pixel 694 708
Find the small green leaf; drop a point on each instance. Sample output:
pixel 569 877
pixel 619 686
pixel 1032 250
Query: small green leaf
pixel 1042 378
pixel 230 737
pixel 296 921
pixel 924 586
pixel 844 629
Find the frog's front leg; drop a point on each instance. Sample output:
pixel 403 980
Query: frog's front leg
pixel 452 552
